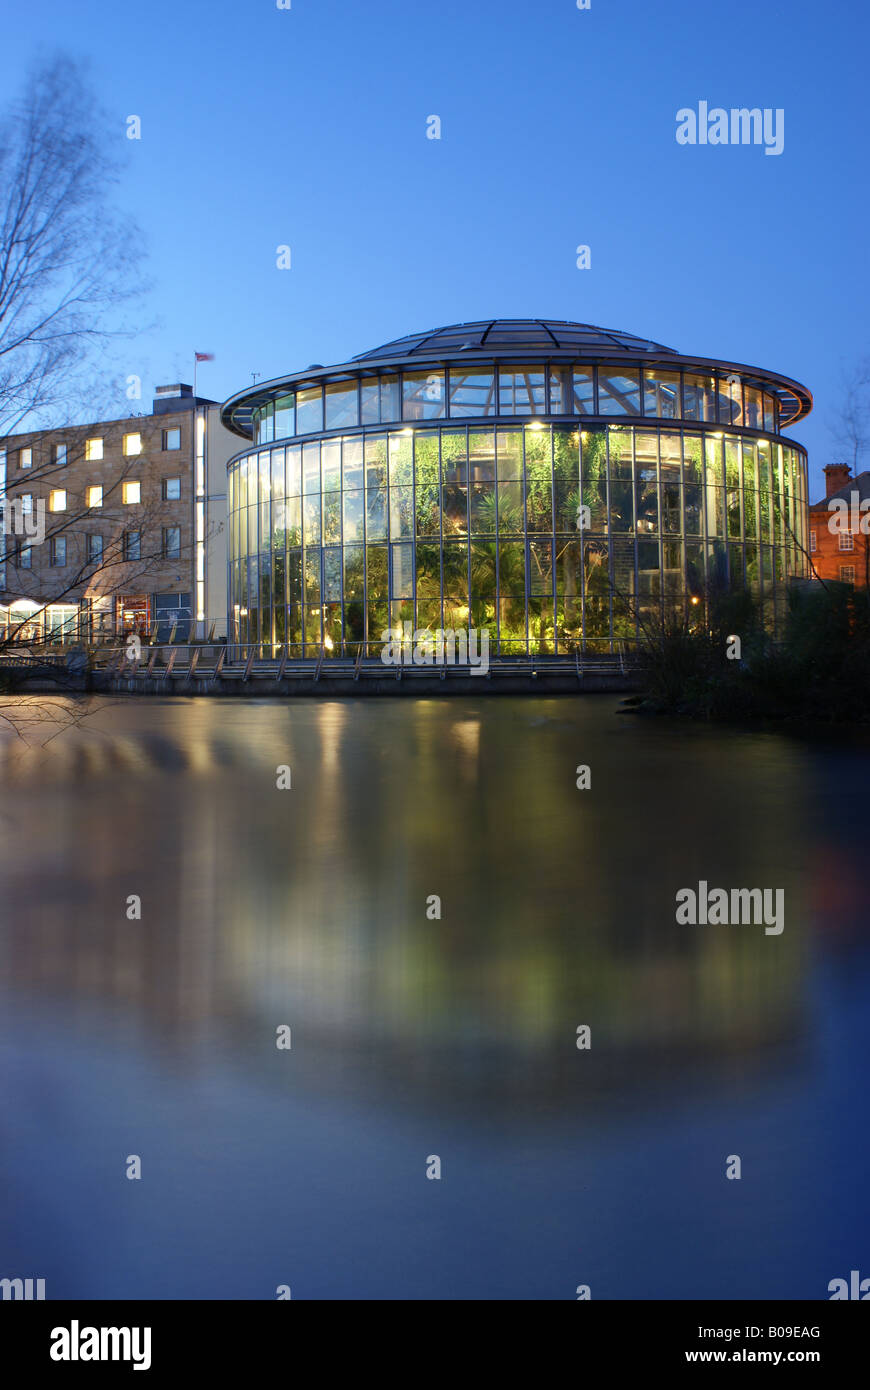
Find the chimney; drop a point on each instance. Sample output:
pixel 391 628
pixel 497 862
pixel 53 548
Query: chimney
pixel 836 476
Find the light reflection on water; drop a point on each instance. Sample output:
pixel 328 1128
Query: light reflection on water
pixel 411 1036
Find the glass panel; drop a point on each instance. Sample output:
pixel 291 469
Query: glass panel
pixel 539 481
pixel 455 562
pixel 402 579
pixel 309 410
pixel 391 407
pixel 376 488
pixel 732 486
pixel 401 459
pixel 422 395
pixel 753 417
pixel 730 401
pixel 481 456
pixel 354 513
pixel 510 508
pixel 560 390
pixel 428 476
pixel 472 393
pixel 714 499
pixel 370 401
pixel 285 417
pixel 522 391
pixel 661 394
pixel 342 408
pixel 311 520
pixel 618 391
pixel 311 469
pixel 509 454
pixel 699 398
pixel 593 446
pixel 352 461
pixel 584 391
pixel 401 516
pixel 646 477
pixel 330 462
pixel 332 574
pixel 620 453
pixel 294 471
pixel 482 504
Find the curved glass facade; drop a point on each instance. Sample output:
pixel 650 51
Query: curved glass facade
pixel 556 536
pixel 484 390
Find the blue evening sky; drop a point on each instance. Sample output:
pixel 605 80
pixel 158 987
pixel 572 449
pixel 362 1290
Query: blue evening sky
pixel 308 127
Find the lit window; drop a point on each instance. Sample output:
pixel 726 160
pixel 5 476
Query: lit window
pixel 58 551
pixel 93 449
pixel 95 496
pixel 60 454
pixel 171 542
pixel 57 501
pixel 847 574
pixel 132 493
pixel 95 549
pixel 132 444
pixel 132 545
pixel 171 489
pixel 846 540
pixel 25 458
pixel 171 440
pixel 812 542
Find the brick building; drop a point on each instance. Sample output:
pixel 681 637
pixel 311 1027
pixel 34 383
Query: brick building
pixel 840 551
pixel 117 526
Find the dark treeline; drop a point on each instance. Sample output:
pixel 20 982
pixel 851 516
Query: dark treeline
pixel 820 671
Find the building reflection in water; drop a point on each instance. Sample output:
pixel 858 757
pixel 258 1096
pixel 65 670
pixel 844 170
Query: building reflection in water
pixel 308 906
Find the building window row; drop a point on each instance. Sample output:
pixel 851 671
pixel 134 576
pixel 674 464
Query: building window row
pixel 603 390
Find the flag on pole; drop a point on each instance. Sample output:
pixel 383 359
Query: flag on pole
pixel 204 356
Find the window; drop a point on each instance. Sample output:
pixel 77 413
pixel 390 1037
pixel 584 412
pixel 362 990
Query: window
pixel 846 541
pixel 661 394
pixel 847 574
pixel 472 393
pixel 171 542
pixel 422 395
pixel 26 499
pixel 94 496
pixel 171 440
pixel 131 493
pixel 58 551
pixel 95 549
pixel 309 410
pixel 132 444
pixel 25 558
pixel 93 449
pixel 60 454
pixel 699 398
pixel 25 458
pixel 812 542
pixel 522 391
pixel 57 500
pixel 132 545
pixel 342 408
pixel 171 489
pixel 618 391
pixel 285 417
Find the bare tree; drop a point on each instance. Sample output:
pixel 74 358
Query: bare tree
pixel 68 259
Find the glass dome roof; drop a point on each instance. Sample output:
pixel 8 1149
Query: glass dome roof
pixel 506 335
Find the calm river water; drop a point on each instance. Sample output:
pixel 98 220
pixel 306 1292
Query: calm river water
pixel 414 1036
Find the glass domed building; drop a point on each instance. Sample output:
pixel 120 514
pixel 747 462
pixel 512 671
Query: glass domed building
pixel 562 486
